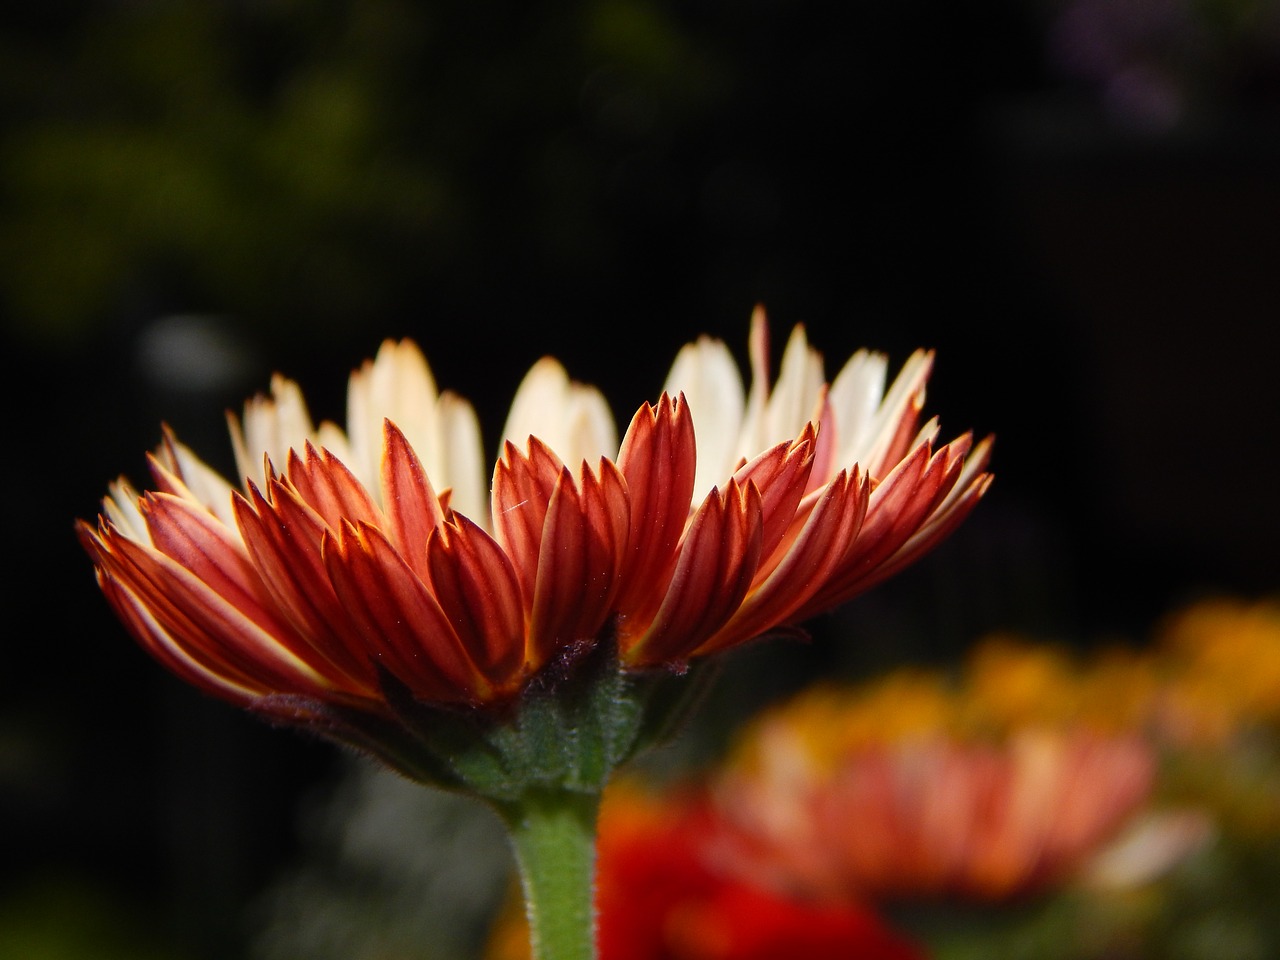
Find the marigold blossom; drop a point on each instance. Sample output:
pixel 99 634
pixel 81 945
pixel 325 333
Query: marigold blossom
pixel 345 558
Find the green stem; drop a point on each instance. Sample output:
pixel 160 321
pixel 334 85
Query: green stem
pixel 554 836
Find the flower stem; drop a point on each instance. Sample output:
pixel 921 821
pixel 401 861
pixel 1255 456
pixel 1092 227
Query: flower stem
pixel 554 837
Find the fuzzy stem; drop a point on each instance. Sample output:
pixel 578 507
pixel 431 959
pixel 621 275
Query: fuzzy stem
pixel 554 838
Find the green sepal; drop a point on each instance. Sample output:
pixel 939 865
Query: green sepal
pixel 573 724
pixel 568 730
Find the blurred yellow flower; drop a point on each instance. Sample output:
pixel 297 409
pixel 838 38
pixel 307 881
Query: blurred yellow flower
pixel 1009 682
pixel 1222 663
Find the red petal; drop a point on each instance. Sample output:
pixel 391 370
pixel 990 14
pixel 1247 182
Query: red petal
pixel 325 484
pixel 657 461
pixel 153 638
pixel 476 587
pixel 522 488
pixel 908 418
pixel 402 626
pixel 813 557
pixel 207 627
pixel 283 537
pixel 824 453
pixel 782 476
pixel 580 553
pixel 412 508
pixel 718 560
pixel 898 507
pixel 161 645
pixel 940 525
pixel 195 538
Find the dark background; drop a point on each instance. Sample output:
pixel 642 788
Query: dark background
pixel 1075 205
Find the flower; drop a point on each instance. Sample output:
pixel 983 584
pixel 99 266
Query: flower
pixel 349 563
pixel 661 896
pixel 926 813
pixel 1221 659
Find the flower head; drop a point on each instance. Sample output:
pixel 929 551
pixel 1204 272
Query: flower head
pixel 819 805
pixel 346 563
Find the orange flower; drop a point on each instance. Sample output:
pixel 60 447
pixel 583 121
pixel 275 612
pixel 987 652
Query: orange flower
pixel 929 814
pixel 350 560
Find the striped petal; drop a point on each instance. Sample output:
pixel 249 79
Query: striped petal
pixel 196 539
pixel 812 558
pixel 214 632
pixel 897 508
pixel 523 484
pixel 580 553
pixel 657 461
pixel 717 562
pixel 330 489
pixel 282 537
pixel 168 650
pixel 896 420
pixel 412 508
pixel 479 593
pixel 782 476
pixel 401 625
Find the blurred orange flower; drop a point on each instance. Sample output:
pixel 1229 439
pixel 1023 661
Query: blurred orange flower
pixel 926 813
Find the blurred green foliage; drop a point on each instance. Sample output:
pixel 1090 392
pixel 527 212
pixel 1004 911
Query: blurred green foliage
pixel 320 160
pixel 69 918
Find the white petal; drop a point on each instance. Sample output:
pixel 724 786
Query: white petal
pixel 205 484
pixel 572 418
pixel 706 373
pixel 397 385
pixel 855 396
pixel 905 399
pixel 753 419
pixel 272 426
pixel 465 467
pixel 332 438
pixel 121 507
pixel 794 399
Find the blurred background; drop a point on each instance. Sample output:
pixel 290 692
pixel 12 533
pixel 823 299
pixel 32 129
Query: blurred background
pixel 1075 202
